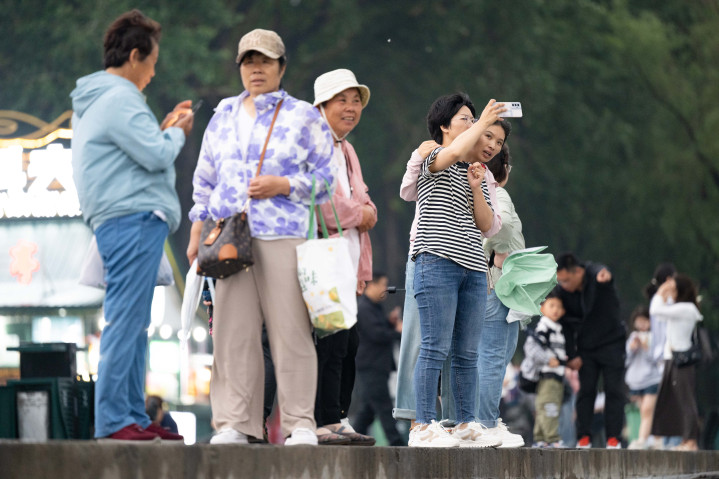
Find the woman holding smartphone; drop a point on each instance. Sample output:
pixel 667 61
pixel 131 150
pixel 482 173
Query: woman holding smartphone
pixel 123 166
pixel 450 269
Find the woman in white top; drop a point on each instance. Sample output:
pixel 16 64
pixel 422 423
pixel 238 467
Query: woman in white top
pixel 500 331
pixel 676 411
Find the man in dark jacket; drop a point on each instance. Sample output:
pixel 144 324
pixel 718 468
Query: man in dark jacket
pixel 595 338
pixel 375 360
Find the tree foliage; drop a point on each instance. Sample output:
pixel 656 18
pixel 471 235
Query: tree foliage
pixel 616 158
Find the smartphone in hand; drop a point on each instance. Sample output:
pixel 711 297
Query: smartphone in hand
pixel 196 106
pixel 514 109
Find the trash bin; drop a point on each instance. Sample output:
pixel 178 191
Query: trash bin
pixel 48 401
pixel 8 426
pixel 47 360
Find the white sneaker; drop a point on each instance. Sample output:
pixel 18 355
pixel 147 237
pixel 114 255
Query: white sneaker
pixel 302 436
pixel 431 435
pixel 502 433
pixel 637 444
pixel 228 436
pixel 473 434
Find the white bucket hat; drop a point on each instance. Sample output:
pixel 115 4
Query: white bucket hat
pixel 331 83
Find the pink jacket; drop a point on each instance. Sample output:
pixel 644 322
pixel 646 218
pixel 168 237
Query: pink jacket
pixel 349 211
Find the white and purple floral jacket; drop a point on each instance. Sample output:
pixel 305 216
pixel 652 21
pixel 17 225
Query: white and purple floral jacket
pixel 300 146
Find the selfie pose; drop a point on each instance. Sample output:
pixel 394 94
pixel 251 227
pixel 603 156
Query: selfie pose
pixel 450 269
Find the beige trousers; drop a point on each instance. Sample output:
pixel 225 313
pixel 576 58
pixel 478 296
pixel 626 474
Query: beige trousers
pixel 269 291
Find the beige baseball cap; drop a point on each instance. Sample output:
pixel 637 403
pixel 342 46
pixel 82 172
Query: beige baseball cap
pixel 263 41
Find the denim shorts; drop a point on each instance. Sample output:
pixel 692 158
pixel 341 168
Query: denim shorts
pixel 653 389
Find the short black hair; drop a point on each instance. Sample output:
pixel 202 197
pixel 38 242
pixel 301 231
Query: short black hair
pixel 129 31
pixel 282 59
pixel 506 126
pixel 663 271
pixel 553 294
pixel 443 110
pixel 567 261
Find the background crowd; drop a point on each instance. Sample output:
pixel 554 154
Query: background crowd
pixel 590 350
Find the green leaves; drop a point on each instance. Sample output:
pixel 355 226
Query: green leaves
pixel 617 157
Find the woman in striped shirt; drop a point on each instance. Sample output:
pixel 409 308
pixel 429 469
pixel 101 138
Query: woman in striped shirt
pixel 450 268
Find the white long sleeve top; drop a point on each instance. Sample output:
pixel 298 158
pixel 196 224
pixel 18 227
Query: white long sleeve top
pixel 680 318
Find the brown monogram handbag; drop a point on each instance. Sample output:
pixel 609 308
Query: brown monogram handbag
pixel 226 244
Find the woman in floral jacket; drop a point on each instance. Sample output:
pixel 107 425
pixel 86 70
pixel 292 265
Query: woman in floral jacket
pixel 299 147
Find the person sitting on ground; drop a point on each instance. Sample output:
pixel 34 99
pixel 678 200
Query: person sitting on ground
pixel 156 407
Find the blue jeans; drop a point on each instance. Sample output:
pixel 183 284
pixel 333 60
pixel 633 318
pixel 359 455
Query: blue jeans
pixel 408 354
pixel 131 249
pixel 451 301
pixel 496 348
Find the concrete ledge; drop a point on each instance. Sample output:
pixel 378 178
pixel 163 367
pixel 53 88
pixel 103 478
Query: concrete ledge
pixel 87 459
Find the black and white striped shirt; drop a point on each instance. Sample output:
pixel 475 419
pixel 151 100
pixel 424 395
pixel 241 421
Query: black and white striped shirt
pixel 446 224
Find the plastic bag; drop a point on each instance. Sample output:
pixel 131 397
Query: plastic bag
pixel 93 269
pixel 526 279
pixel 190 301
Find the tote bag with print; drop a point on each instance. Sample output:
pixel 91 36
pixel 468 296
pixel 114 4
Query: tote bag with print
pixel 327 277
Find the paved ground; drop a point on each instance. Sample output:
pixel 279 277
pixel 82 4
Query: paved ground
pixel 87 459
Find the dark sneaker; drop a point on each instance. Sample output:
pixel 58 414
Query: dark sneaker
pixel 131 434
pixel 164 434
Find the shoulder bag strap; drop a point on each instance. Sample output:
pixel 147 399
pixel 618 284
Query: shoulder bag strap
pixel 264 149
pixel 267 140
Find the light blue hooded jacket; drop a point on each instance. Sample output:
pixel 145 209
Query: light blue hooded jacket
pixel 122 162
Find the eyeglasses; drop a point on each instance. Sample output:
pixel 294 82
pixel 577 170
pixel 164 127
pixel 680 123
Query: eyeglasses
pixel 467 119
pixel 509 168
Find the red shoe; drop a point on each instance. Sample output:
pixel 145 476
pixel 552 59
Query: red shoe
pixel 614 443
pixel 164 434
pixel 584 443
pixel 132 433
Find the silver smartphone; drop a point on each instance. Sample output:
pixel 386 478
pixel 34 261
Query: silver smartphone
pixel 197 106
pixel 514 109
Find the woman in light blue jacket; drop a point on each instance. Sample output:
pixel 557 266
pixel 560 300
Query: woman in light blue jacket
pixel 123 166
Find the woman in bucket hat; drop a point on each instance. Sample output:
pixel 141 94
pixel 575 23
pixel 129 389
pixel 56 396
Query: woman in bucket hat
pixel 340 100
pixel 300 146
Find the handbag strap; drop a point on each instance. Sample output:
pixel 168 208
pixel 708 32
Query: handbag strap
pixel 264 149
pixel 325 232
pixel 267 140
